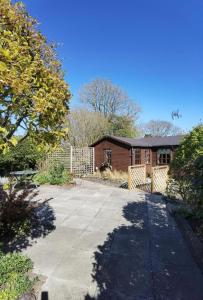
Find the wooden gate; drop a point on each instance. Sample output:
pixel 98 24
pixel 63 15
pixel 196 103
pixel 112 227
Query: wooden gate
pixel 159 178
pixel 157 183
pixel 136 176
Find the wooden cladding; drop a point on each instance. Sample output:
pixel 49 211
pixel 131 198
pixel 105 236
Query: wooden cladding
pixel 120 156
pixel 116 154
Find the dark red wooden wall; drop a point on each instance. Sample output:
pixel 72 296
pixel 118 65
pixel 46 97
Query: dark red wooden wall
pixel 121 154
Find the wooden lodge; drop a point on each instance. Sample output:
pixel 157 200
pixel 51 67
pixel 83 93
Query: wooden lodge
pixel 121 152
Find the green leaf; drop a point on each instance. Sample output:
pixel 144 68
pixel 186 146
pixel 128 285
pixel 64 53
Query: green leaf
pixel 3 66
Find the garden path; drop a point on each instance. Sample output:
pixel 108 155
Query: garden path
pixel 114 244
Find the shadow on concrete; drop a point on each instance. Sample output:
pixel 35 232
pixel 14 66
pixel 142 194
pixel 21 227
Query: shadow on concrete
pixel 122 268
pixel 40 224
pixel 44 296
pixel 147 259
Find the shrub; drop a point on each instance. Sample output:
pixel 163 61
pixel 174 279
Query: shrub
pixel 199 214
pixel 42 177
pixel 187 169
pixel 23 219
pixel 23 156
pixel 185 212
pixel 14 278
pixel 56 174
pixel 16 209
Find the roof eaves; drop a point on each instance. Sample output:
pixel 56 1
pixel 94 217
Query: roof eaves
pixel 112 138
pixel 120 140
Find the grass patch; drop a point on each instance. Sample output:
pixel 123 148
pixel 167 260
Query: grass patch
pixel 115 175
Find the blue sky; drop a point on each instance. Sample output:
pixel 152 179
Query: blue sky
pixel 151 48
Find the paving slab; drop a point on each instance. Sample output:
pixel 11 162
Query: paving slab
pixel 110 243
pixel 175 274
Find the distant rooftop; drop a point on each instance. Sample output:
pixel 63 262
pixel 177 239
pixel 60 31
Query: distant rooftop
pixel 148 141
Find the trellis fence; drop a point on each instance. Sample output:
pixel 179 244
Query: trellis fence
pixel 82 160
pixel 79 161
pixel 159 178
pixel 137 178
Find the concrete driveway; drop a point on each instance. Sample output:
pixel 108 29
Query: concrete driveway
pixel 113 244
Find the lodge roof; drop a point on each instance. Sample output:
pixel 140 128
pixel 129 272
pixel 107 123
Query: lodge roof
pixel 148 141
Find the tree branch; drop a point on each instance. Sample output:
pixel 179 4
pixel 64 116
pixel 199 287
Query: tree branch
pixel 17 124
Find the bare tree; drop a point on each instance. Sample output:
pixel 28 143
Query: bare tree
pixel 103 96
pixel 160 128
pixel 86 127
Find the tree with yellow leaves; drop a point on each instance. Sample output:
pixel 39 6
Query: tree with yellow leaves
pixel 33 93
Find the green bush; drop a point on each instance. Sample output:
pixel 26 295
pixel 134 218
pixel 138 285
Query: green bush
pixel 23 156
pixel 42 177
pixel 187 169
pixel 56 175
pixel 14 279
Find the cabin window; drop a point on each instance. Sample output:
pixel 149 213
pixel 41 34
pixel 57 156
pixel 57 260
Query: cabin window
pixel 108 156
pixel 137 154
pixel 164 156
pixel 147 156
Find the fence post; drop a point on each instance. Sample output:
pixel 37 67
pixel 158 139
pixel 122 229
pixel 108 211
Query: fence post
pixel 71 159
pixel 145 176
pixel 93 162
pixel 152 180
pixel 129 178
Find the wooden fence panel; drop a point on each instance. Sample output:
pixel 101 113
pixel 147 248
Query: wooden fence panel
pixel 159 178
pixel 60 156
pixel 136 176
pixel 79 161
pixel 82 160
